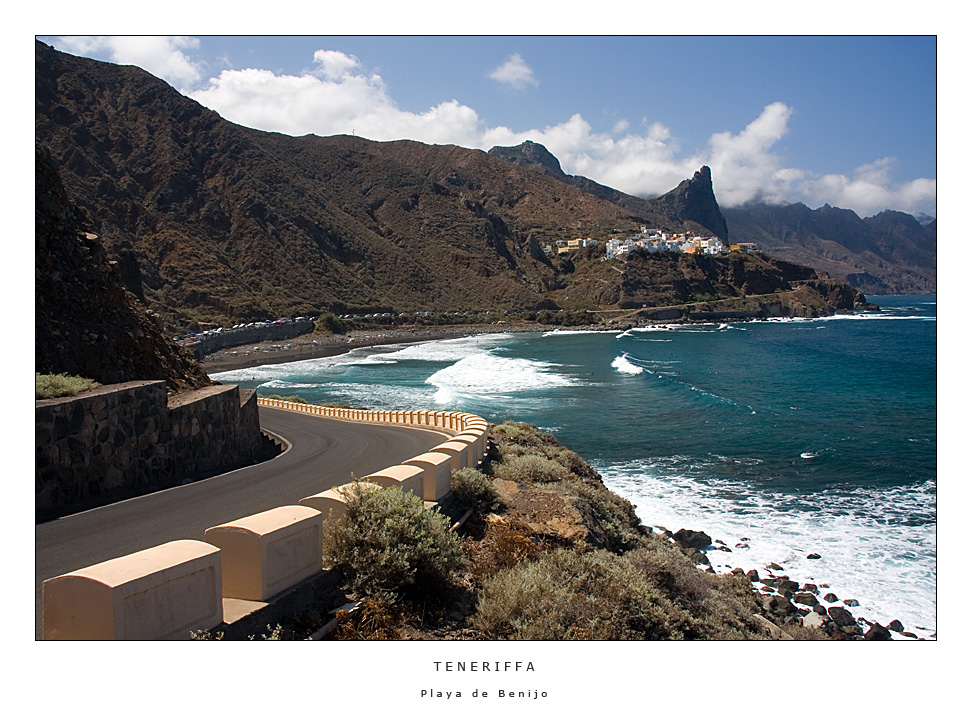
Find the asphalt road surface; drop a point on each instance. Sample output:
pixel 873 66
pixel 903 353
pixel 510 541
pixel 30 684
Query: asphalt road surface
pixel 323 453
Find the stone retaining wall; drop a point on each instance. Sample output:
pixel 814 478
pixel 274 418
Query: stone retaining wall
pixel 126 439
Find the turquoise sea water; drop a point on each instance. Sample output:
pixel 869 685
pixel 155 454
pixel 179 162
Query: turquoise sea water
pixel 802 436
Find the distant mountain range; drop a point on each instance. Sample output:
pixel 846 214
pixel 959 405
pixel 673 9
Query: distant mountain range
pixel 889 253
pixel 208 220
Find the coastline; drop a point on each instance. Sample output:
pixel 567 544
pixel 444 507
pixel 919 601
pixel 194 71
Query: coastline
pixel 312 345
pixel 781 595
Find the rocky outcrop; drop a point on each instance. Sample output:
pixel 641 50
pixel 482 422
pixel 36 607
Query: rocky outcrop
pixel 693 201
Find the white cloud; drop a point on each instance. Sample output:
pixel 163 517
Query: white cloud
pixel 870 190
pixel 515 73
pixel 335 65
pixel 162 56
pixel 338 98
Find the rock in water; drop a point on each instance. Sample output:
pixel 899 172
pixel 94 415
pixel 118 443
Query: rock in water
pixel 693 539
pixel 877 633
pixel 841 617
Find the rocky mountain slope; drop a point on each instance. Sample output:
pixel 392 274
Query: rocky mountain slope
pixel 888 253
pixel 208 220
pixel 87 323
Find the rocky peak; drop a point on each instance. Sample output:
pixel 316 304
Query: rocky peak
pixel 694 200
pixel 532 155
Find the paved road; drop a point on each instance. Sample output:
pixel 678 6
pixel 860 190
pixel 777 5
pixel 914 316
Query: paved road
pixel 323 454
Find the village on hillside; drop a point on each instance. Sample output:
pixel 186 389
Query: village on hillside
pixel 652 240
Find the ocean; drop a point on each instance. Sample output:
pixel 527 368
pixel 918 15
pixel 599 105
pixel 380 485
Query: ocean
pixel 781 438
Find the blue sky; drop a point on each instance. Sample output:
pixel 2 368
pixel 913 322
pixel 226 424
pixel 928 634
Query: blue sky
pixel 849 121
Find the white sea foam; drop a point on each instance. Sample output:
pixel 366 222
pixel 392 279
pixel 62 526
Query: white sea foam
pixel 571 332
pixel 877 546
pixel 486 376
pixel 623 365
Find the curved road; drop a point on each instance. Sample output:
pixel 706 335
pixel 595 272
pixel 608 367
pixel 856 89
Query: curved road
pixel 323 454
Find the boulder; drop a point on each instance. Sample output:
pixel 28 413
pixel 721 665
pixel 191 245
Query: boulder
pixel 813 620
pixel 810 587
pixel 877 633
pixel 692 538
pixel 774 565
pixel 852 602
pixel 805 598
pixel 697 556
pixel 841 617
pixel 753 575
pixel 813 556
pixel 830 597
pixel 896 626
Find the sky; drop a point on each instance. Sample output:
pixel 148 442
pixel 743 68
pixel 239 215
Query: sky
pixel 844 120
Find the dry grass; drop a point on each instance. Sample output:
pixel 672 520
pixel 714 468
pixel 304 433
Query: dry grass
pixel 60 385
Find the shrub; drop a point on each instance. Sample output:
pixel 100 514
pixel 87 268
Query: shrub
pixel 576 595
pixel 530 468
pixel 60 385
pixel 506 543
pixel 389 545
pixel 522 434
pixel 474 490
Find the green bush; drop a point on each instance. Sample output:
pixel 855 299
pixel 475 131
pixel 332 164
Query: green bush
pixel 474 490
pixel 60 385
pixel 390 546
pixel 530 468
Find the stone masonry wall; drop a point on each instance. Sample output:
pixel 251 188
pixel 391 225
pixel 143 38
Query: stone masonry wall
pixel 208 433
pixel 127 439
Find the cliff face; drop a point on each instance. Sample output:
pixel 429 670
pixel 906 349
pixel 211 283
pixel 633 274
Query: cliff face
pixel 87 323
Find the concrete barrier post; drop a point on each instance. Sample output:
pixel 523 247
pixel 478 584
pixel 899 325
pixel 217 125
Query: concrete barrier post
pixel 456 451
pixel 164 592
pixel 437 480
pixel 267 553
pixel 478 439
pixel 409 478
